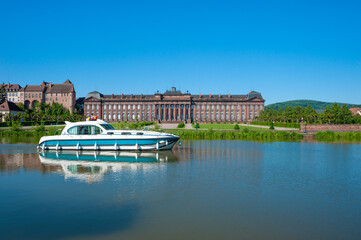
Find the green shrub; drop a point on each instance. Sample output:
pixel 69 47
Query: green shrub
pixel 236 127
pixel 181 125
pixel 15 126
pixel 40 128
pixel 338 136
pixel 197 126
pixel 271 126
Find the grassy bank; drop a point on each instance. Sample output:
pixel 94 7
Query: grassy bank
pixel 276 124
pixel 238 135
pixel 338 136
pixel 37 131
pixel 226 126
pixel 131 125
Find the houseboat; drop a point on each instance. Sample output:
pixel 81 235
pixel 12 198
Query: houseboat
pixel 95 134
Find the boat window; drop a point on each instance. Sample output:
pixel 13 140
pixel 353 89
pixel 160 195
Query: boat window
pixel 73 130
pixel 84 130
pixel 107 126
pixel 126 133
pixel 139 133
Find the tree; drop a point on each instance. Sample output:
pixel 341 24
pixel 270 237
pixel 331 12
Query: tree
pixel 2 94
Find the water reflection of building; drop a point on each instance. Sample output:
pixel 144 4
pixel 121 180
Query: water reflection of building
pixel 246 158
pixel 24 161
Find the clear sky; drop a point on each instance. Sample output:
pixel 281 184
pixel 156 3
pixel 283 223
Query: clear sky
pixel 284 49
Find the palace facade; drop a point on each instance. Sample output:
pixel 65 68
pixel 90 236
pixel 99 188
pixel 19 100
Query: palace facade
pixel 30 95
pixel 174 106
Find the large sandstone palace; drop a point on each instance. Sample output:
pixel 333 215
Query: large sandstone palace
pixel 174 106
pixel 30 95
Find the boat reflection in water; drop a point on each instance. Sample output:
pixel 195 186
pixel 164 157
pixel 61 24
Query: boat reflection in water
pixel 92 166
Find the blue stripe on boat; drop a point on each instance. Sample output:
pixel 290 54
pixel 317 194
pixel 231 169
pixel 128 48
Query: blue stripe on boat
pixel 104 142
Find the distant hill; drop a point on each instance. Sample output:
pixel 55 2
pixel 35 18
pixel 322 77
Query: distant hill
pixel 317 105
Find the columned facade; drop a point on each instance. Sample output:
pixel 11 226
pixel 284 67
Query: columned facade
pixel 174 106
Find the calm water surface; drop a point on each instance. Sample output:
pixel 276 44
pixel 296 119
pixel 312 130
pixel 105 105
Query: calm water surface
pixel 201 190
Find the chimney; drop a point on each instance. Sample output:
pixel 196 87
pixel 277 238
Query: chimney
pixel 113 95
pixel 210 95
pixel 200 95
pixel 122 95
pixel 229 95
pixel 219 95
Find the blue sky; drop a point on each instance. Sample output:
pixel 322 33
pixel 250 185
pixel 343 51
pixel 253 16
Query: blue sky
pixel 284 49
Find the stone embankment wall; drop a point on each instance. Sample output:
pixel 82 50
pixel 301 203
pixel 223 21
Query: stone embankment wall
pixel 330 127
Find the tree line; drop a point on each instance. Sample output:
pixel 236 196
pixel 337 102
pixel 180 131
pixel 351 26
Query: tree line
pixel 44 113
pixel 332 115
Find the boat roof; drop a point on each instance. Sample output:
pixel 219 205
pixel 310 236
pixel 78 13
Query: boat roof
pixel 87 122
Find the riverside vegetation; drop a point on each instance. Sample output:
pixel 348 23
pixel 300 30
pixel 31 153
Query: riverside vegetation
pixel 242 134
pixel 335 114
pixel 238 132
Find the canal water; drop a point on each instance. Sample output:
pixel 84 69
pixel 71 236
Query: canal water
pixel 200 190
